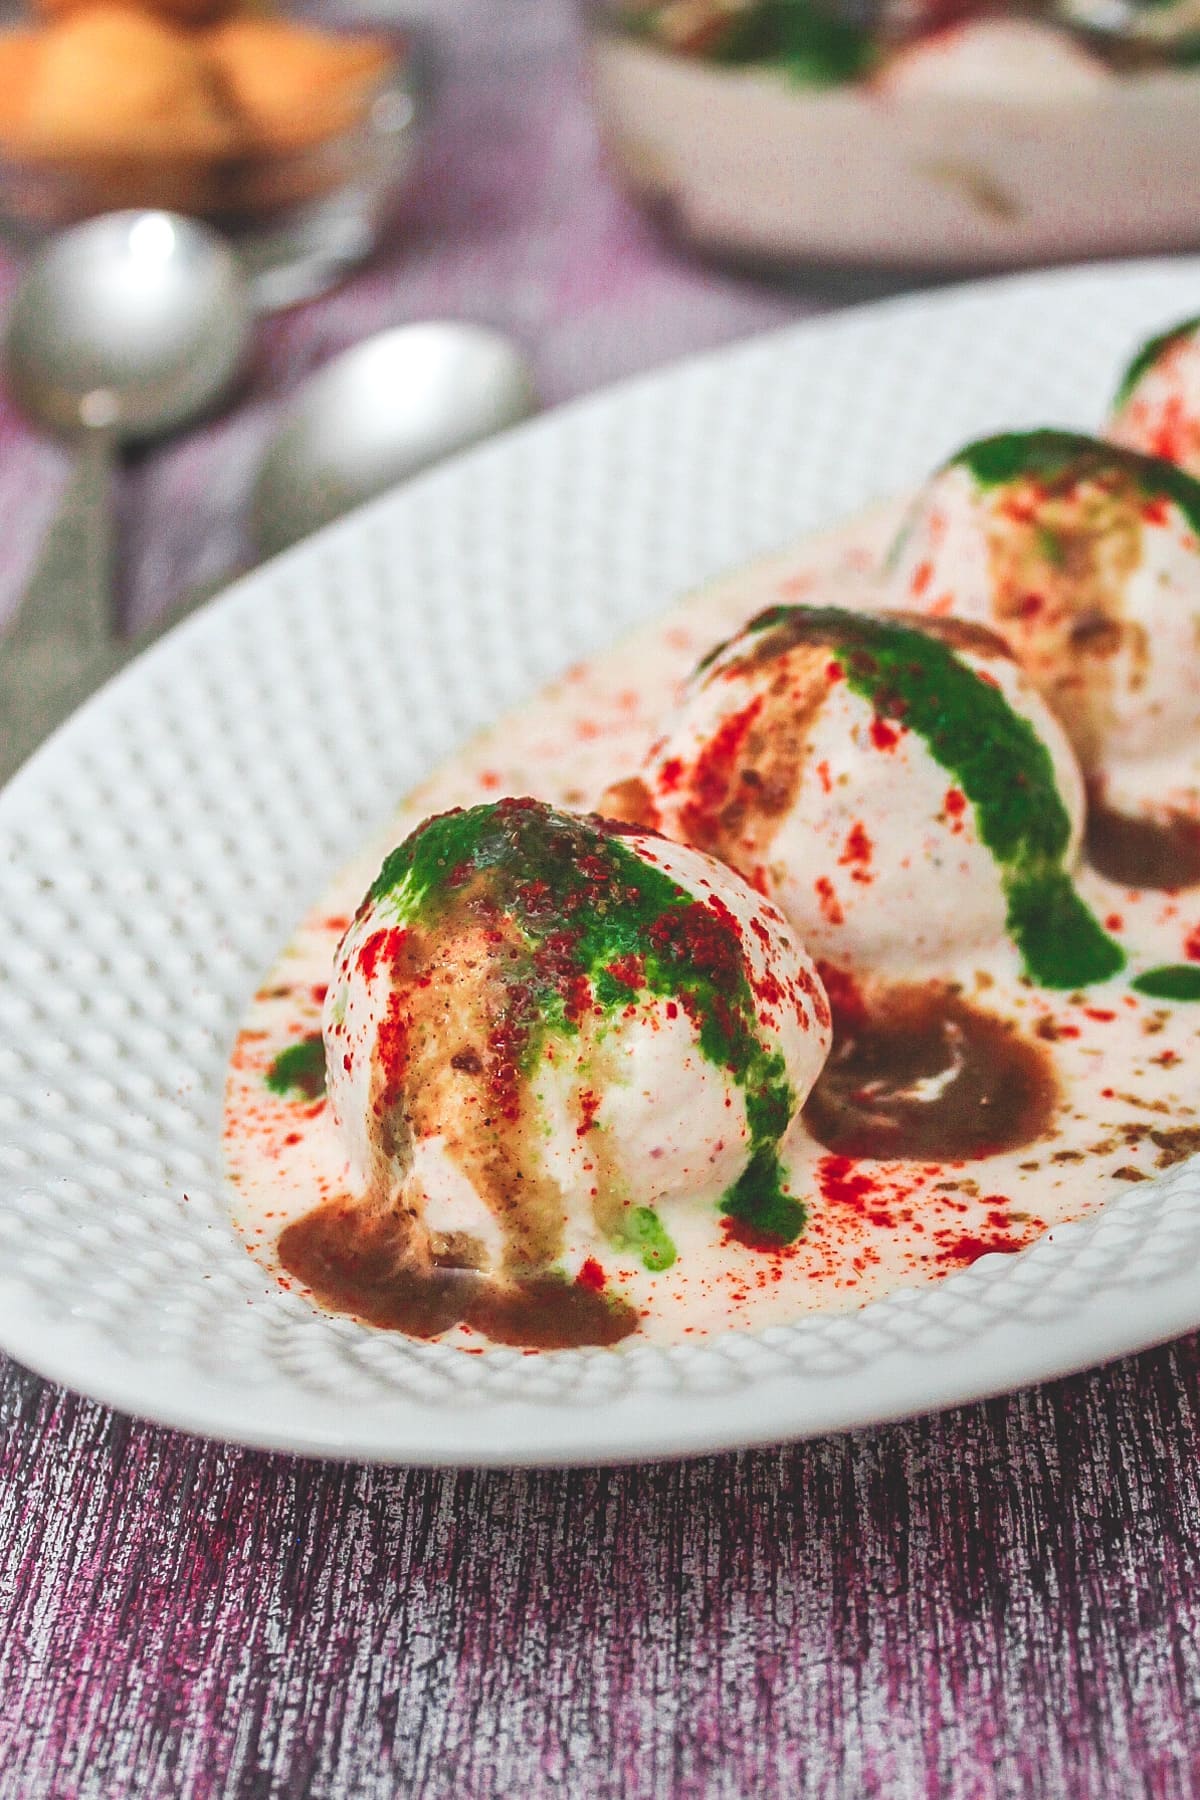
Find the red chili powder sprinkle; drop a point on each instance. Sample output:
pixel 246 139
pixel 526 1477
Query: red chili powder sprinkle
pixel 955 803
pixel 589 1106
pixel 1099 1013
pixel 1114 922
pixel 1022 506
pixel 714 771
pixel 727 919
pixel 967 1248
pixel 381 945
pixel 629 970
pixel 1170 432
pixel 669 774
pixel 859 846
pixel 391 1049
pixel 592 1276
pixel 825 778
pixel 921 577
pixel 834 672
pixel 830 905
pixel 843 1184
pixel 714 766
pixel 740 1231
pixel 768 989
pixel 883 735
pixel 1191 945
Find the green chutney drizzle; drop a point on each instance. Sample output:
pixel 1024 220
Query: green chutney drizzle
pixel 759 1199
pixel 645 1233
pixel 1172 981
pixel 998 760
pixel 1051 456
pixel 1148 355
pixel 599 926
pixel 300 1069
pixel 813 48
pixel 804 43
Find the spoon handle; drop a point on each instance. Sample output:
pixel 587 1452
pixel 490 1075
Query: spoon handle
pixel 68 599
pixel 38 688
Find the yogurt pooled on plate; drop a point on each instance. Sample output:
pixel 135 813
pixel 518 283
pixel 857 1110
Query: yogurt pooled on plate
pixel 542 1033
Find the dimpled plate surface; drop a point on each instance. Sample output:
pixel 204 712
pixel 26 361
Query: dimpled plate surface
pixel 156 854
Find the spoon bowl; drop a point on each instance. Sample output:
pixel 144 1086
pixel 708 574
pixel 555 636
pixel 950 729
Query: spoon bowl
pixel 133 324
pixel 130 325
pixel 380 413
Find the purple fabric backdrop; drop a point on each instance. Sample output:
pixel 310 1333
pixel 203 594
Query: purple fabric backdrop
pixel 1000 1601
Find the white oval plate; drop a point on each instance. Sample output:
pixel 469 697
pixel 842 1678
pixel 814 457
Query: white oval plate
pixel 155 855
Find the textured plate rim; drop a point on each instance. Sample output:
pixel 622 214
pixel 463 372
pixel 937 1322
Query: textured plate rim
pixel 634 1425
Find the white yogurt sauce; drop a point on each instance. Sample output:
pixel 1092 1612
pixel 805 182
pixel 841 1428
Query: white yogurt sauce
pixel 1127 1108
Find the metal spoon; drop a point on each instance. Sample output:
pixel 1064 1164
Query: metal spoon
pixel 380 412
pixel 122 328
pixel 377 415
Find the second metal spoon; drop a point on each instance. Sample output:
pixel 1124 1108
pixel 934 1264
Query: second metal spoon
pixel 122 328
pixel 380 412
pixel 377 415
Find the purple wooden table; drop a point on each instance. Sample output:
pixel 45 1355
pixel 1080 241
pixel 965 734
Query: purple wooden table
pixel 1004 1600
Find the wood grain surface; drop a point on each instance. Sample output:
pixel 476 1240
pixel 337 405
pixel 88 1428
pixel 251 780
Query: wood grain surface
pixel 1000 1601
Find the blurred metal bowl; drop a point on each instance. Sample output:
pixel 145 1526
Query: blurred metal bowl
pixel 300 219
